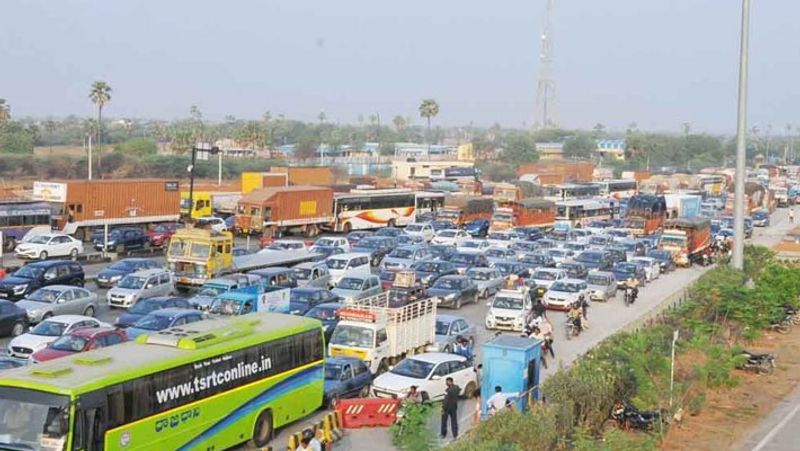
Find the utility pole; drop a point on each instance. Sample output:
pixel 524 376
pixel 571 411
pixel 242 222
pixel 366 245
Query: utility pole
pixel 546 86
pixel 90 156
pixel 741 148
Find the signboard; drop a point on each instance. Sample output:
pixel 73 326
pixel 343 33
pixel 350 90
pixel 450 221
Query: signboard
pixel 171 186
pixel 50 192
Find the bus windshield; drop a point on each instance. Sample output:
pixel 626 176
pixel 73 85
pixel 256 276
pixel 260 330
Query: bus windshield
pixel 29 419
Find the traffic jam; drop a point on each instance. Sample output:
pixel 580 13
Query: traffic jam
pixel 387 273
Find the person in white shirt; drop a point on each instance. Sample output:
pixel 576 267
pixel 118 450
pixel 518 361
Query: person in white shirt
pixel 497 401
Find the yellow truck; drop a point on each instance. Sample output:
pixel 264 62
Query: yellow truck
pixel 208 203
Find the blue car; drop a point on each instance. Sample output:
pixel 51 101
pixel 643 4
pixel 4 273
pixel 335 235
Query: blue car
pixel 301 300
pixel 327 314
pixel 478 227
pixel 143 307
pixel 110 276
pixel 163 319
pixel 346 377
pixel 625 270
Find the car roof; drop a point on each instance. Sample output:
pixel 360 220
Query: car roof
pixel 329 305
pixel 49 263
pixel 411 247
pixel 451 276
pixel 308 289
pixel 342 360
pixel 578 281
pixel 480 269
pixel 309 265
pixel 445 318
pixel 173 311
pixel 550 270
pixel 149 272
pixel 135 260
pixel 437 357
pixel 60 287
pixel 348 255
pixel 162 299
pixel 601 273
pixel 92 331
pixel 270 271
pixel 70 318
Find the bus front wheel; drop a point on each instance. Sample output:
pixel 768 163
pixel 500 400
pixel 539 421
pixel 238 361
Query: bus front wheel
pixel 262 431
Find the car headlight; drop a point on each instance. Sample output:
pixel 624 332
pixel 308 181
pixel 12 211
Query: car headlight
pixel 19 289
pixel 115 278
pixel 450 297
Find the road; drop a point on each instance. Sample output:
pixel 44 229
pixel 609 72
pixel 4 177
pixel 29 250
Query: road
pixel 778 432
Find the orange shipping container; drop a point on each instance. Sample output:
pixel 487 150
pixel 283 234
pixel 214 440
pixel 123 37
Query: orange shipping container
pixel 279 209
pixel 309 175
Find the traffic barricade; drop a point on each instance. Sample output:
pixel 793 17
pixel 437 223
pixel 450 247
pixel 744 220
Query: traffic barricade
pixel 363 412
pixel 332 426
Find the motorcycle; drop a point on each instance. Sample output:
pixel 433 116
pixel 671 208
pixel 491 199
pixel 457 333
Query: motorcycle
pixel 630 295
pixel 628 417
pixel 573 328
pixel 526 333
pixel 758 363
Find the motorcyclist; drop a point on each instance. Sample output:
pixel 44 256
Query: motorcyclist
pixel 632 284
pixel 575 315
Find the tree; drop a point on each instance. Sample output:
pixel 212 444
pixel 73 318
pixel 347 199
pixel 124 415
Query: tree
pixel 197 124
pixel 50 126
pixel 519 148
pixel 14 138
pixel 137 147
pixel 5 111
pixel 579 146
pixel 322 117
pixel 100 95
pixel 599 130
pixel 399 123
pixel 429 109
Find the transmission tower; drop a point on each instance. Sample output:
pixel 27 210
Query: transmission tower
pixel 546 87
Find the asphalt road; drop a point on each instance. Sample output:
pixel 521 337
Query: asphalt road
pixel 778 432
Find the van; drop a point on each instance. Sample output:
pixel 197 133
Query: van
pixel 278 276
pixel 143 284
pixel 352 264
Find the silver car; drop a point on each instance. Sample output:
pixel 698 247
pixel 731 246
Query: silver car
pixel 488 280
pixel 58 300
pixel 354 287
pixel 601 286
pixel 139 285
pixel 448 329
pixel 403 257
pixel 313 274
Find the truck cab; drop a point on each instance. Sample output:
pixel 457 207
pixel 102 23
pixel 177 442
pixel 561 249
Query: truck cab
pixel 201 205
pixel 249 300
pixel 196 255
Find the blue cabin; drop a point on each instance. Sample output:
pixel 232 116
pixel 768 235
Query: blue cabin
pixel 513 363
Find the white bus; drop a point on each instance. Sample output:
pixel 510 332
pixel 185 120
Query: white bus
pixel 584 211
pixel 571 191
pixel 618 188
pixel 374 209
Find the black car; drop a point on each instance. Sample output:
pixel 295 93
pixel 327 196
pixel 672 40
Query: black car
pixel 143 307
pixel 430 270
pixel 466 260
pixel 452 291
pixel 664 259
pixel 538 260
pixel 511 268
pixel 529 233
pixel 441 251
pixel 618 253
pixel 392 232
pixel 574 270
pixel 376 246
pixel 35 275
pixel 13 319
pixel 478 228
pixel 327 314
pixel 119 269
pixel 301 300
pixel 123 239
pixel 595 259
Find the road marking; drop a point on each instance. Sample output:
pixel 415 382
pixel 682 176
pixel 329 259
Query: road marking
pixel 767 438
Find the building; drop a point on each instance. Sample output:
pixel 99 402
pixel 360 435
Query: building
pixel 550 151
pixel 611 148
pixel 417 150
pixel 559 171
pixel 425 170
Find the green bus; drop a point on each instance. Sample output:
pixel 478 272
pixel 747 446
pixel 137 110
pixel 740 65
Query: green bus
pixel 208 385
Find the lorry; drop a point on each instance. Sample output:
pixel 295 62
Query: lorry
pixel 686 239
pixel 274 211
pixel 645 214
pixel 209 203
pixel 196 255
pixel 506 193
pixel 680 205
pixel 252 181
pixel 255 298
pixel 81 205
pixel 371 330
pixel 530 212
pixel 461 209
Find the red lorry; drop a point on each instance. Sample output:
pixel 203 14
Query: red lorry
pixel 460 209
pixel 273 211
pixel 686 239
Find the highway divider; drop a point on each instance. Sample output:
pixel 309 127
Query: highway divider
pixel 367 412
pixel 327 431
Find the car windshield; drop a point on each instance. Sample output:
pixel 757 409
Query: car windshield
pixel 302 273
pixel 161 228
pixel 495 253
pixel 336 263
pixel 29 272
pixel 144 307
pixel 673 240
pixel 442 250
pixel 507 303
pixel 222 306
pixel 122 266
pixel 370 243
pixel 71 343
pixel 474 244
pixel 350 283
pixel 322 313
pixel 414 228
pixel 591 257
pixel 413 368
pixel 427 267
pixel 597 280
pixel 598 240
pixel 29 425
pixel 212 292
pixel 499 236
pixel 447 233
pixel 132 282
pixel 544 275
pixel 352 336
pixel 41 239
pixel 45 295
pixel 153 322
pixel 565 287
pixel 442 328
pixel 401 253
pixel 300 297
pixel 388 231
pixel 325 242
pixel 659 254
pixel 332 371
pixel 463 258
pixel 480 275
pixel 447 284
pixel 625 268
pixel 49 329
pixel 388 276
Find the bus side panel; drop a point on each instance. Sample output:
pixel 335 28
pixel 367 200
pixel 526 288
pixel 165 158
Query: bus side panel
pixel 226 419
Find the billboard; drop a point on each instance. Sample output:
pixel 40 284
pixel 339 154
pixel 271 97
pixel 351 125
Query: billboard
pixel 50 192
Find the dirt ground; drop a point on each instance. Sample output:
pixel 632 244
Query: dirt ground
pixel 730 414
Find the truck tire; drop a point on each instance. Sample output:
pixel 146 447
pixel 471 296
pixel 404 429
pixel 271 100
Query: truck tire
pixel 262 430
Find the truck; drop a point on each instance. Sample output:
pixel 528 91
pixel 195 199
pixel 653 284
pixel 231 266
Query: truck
pixel 506 193
pixel 530 212
pixel 196 255
pixel 81 205
pixel 209 203
pixel 686 239
pixel 371 330
pixel 680 205
pixel 255 298
pixel 274 211
pixel 645 214
pixel 461 209
pixel 252 181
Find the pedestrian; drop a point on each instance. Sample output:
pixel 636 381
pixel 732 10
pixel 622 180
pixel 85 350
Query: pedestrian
pixel 463 348
pixel 450 407
pixel 496 402
pixel 413 395
pixel 547 331
pixel 305 445
pixel 791 214
pixel 313 443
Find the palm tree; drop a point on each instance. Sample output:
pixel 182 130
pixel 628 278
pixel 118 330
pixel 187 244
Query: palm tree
pixel 428 109
pixel 50 126
pixel 5 110
pixel 322 117
pixel 100 95
pixel 399 122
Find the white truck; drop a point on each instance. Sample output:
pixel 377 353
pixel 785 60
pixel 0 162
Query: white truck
pixel 380 335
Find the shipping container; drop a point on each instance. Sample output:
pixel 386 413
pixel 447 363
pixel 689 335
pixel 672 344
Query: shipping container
pixel 683 205
pixel 83 204
pixel 257 180
pixel 310 175
pixel 274 211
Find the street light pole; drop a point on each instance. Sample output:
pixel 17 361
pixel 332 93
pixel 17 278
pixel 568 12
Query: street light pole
pixel 741 149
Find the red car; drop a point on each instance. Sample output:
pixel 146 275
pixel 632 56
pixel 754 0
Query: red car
pixel 81 340
pixel 160 235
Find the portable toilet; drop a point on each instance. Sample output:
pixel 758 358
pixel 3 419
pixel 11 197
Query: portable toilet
pixel 512 363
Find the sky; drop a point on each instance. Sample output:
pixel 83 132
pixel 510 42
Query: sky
pixel 658 63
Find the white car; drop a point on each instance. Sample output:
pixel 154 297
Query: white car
pixel 652 268
pixel 545 277
pixel 500 239
pixel 49 245
pixel 428 373
pixel 49 330
pixel 509 310
pixel 473 245
pixel 287 245
pixel 333 241
pixel 214 223
pixel 452 237
pixel 421 229
pixel 352 264
pixel 560 255
pixel 565 292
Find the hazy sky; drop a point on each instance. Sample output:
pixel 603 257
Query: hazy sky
pixel 656 62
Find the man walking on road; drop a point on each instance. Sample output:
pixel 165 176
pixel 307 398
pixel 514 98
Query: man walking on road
pixel 450 407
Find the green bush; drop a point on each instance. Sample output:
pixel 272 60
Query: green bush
pixel 414 432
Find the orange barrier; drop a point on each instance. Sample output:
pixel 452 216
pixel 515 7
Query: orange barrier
pixel 363 412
